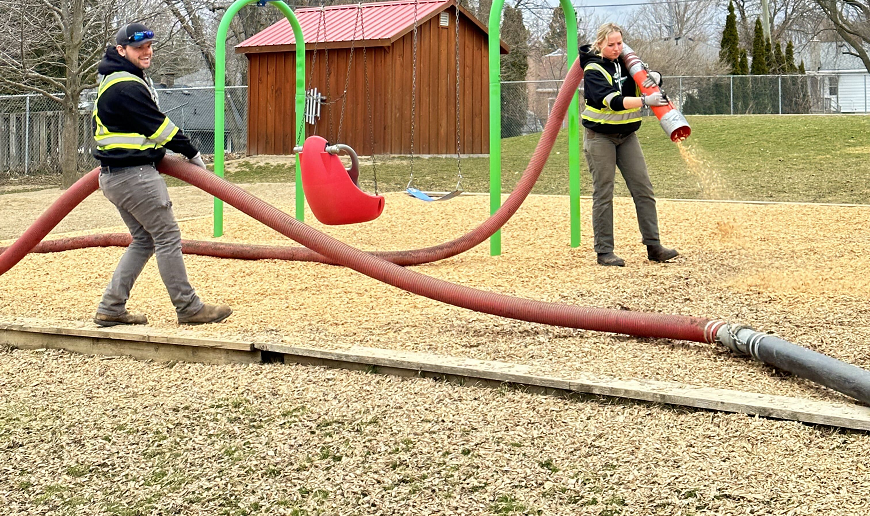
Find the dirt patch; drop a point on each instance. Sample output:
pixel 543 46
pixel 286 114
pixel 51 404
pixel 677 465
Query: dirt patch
pixel 265 159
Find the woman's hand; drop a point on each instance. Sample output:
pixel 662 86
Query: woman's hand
pixel 653 78
pixel 654 100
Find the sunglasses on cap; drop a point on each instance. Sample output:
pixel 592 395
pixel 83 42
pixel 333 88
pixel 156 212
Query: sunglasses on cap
pixel 140 35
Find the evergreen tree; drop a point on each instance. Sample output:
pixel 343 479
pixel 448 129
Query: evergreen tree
pixel 514 67
pixel 557 34
pixel 779 59
pixel 759 55
pixel 743 64
pixel 730 43
pixel 715 97
pixel 768 52
pixel 795 88
pixel 789 58
pixel 742 96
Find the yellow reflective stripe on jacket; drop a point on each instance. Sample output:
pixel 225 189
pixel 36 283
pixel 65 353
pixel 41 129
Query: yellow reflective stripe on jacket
pixel 607 115
pixel 608 99
pixel 116 77
pixel 164 133
pixel 611 119
pixel 107 140
pixel 596 66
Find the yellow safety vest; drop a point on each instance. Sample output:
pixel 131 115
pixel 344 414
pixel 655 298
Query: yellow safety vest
pixel 108 140
pixel 607 115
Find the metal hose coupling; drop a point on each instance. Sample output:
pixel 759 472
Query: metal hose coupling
pixel 740 339
pixel 798 360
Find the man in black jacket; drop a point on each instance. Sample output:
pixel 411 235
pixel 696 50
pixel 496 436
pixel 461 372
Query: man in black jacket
pixel 132 136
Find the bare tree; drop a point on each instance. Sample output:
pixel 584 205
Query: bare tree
pixel 197 19
pixel 851 20
pixel 790 19
pixel 52 48
pixel 674 37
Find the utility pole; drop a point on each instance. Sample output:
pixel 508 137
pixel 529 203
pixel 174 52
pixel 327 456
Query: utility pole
pixel 765 19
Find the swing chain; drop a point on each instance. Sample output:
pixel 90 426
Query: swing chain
pixel 368 102
pixel 458 111
pixel 413 94
pixel 347 76
pixel 320 22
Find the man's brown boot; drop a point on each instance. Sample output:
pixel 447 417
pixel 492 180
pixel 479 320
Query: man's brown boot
pixel 124 318
pixel 660 253
pixel 207 314
pixel 610 259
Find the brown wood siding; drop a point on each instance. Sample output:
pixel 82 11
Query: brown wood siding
pixel 253 102
pixel 382 114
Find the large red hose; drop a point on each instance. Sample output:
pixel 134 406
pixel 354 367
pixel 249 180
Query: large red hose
pixel 49 219
pixel 196 247
pixel 598 319
pixel 406 257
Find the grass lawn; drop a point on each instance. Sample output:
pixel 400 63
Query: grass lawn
pixel 807 158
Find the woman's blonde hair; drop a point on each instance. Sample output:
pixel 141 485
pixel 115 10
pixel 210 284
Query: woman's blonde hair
pixel 604 32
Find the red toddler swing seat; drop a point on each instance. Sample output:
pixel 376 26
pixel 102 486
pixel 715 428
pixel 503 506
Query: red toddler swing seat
pixel 333 191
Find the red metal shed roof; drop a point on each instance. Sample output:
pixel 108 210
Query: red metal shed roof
pixel 375 23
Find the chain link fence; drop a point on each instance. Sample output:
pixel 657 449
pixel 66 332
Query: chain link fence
pixel 31 126
pixel 526 104
pixel 30 135
pixel 192 109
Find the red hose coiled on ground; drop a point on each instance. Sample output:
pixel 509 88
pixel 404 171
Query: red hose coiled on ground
pixel 598 319
pixel 406 257
pixel 391 272
pixel 197 247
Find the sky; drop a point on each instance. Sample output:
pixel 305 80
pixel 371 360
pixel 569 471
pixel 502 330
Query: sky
pixel 612 10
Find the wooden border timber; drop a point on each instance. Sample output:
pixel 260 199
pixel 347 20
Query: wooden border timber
pixel 404 363
pixel 138 345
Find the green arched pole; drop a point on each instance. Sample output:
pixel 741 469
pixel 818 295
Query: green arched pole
pixel 220 92
pixel 495 123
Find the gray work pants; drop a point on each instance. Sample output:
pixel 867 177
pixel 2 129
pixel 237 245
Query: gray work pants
pixel 605 152
pixel 142 199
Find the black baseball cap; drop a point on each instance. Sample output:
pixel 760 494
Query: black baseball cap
pixel 134 35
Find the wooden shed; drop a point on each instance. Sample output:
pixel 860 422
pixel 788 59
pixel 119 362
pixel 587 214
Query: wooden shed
pixel 361 58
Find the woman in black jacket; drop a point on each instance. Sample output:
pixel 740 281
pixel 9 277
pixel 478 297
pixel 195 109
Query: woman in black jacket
pixel 611 118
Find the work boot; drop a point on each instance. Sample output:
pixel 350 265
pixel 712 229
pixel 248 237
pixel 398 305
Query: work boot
pixel 660 253
pixel 610 259
pixel 124 318
pixel 207 314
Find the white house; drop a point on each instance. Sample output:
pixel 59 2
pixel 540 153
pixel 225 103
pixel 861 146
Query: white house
pixel 843 79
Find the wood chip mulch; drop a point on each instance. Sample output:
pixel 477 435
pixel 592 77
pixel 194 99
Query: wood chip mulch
pixel 108 436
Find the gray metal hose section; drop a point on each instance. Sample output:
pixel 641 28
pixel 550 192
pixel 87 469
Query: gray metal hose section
pixel 798 360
